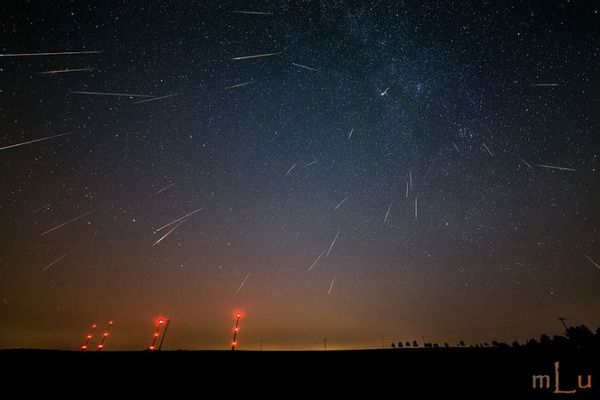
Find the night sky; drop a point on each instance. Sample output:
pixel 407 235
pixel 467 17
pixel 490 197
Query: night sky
pixel 433 164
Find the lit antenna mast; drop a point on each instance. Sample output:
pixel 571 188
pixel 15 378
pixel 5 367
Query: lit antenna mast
pixel 159 324
pixel 104 336
pixel 235 330
pixel 162 339
pixel 88 337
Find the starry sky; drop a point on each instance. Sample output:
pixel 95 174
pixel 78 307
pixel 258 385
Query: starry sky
pixel 396 168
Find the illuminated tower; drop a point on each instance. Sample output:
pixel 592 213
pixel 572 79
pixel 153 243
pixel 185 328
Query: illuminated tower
pixel 88 337
pixel 162 339
pixel 235 330
pixel 104 336
pixel 159 324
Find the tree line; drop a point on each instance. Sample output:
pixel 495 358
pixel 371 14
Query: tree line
pixel 574 336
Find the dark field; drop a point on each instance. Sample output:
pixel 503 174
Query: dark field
pixel 484 372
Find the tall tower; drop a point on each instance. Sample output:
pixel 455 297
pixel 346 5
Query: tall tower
pixel 159 324
pixel 104 336
pixel 88 337
pixel 236 330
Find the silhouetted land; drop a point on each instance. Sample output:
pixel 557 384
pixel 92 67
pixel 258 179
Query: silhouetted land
pixel 488 372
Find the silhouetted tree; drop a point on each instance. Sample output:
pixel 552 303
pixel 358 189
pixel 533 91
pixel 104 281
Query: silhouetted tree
pixel 500 345
pixel 393 345
pixel 560 341
pixel 579 335
pixel 545 340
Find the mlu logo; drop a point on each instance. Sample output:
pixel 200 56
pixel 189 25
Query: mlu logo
pixel 543 382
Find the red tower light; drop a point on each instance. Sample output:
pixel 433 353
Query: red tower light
pixel 160 322
pixel 88 337
pixel 236 329
pixel 104 336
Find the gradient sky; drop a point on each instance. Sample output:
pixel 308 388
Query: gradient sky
pixel 458 107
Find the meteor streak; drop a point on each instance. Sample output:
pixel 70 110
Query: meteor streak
pixel 62 71
pixel 252 12
pixel 387 214
pixel 526 163
pixel 333 243
pixel 66 223
pixel 54 262
pixel 112 94
pixel 305 67
pixel 592 261
pixel 168 233
pixel 316 261
pixel 44 207
pixel 59 53
pixel 243 282
pixel 156 98
pixel 340 204
pixel 178 219
pixel 488 149
pixel 289 171
pixel 255 56
pixel 34 141
pixel 416 207
pixel 239 85
pixel 555 167
pixel 165 188
pixel 331 286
